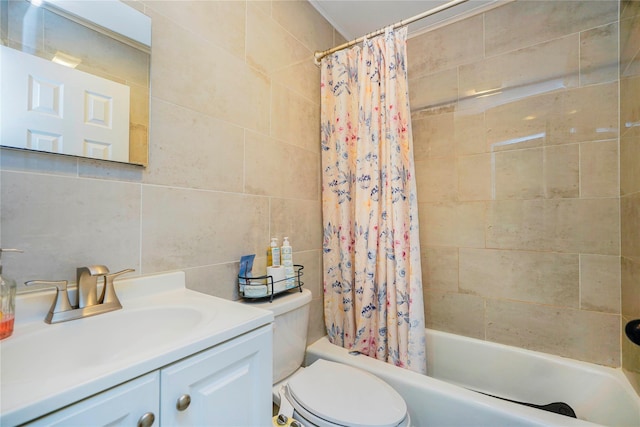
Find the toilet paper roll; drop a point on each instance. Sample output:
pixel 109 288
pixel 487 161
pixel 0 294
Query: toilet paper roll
pixel 279 283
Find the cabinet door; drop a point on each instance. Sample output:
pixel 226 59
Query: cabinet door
pixel 123 405
pixel 228 385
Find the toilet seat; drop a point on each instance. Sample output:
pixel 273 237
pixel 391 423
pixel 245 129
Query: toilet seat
pixel 332 394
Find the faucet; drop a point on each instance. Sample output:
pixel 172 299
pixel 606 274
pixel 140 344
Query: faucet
pixel 87 280
pixel 88 303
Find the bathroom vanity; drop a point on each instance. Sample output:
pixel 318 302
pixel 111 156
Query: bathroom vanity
pixel 171 356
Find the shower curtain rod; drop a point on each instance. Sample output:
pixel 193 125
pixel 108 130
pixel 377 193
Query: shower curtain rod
pixel 318 55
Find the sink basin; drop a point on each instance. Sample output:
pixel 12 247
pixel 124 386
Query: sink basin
pixel 103 339
pixel 45 367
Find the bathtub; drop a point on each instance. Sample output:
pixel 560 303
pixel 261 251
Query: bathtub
pixel 461 369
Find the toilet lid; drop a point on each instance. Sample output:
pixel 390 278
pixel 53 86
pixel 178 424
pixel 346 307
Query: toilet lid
pixel 347 396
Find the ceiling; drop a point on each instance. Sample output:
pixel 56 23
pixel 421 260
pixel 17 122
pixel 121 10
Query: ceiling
pixel 355 18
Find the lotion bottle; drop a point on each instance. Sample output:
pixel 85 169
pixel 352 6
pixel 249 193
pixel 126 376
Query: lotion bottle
pixel 287 262
pixel 273 254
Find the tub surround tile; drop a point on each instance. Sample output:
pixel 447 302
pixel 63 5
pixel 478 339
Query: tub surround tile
pixel 519 174
pixel 630 216
pixel 452 224
pixel 578 334
pixel 475 177
pixel 630 277
pixel 294 119
pixel 599 169
pixel 629 45
pixel 600 283
pixel 469 132
pixel 437 179
pixel 440 268
pixel 629 165
pixel 598 55
pixel 514 26
pixel 516 224
pixel 455 313
pixel 433 90
pixel 433 136
pixel 446 47
pixel 629 107
pixel 562 171
pixel 539 277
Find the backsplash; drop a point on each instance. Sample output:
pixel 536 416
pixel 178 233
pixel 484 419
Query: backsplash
pixel 233 159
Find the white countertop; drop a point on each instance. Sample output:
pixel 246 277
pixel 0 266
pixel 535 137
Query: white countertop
pixel 44 367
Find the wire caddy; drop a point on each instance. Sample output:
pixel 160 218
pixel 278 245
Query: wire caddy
pixel 255 287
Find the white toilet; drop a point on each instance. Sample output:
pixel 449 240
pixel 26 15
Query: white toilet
pixel 324 393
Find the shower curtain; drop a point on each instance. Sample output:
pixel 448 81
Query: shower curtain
pixel 371 251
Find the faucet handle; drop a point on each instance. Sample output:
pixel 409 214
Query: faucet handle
pixel 108 291
pixel 61 301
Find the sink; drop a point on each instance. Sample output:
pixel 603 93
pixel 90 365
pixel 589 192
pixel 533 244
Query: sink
pixel 103 339
pixel 47 366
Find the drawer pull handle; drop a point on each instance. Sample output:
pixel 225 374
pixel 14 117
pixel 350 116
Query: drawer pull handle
pixel 183 402
pixel 146 420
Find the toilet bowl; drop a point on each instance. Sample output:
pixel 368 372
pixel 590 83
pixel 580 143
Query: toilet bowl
pixel 323 394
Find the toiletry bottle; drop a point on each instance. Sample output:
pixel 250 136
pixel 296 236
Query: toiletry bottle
pixel 273 256
pixel 287 262
pixel 7 300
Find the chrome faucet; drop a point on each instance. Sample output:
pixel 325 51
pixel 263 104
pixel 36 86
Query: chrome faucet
pixel 87 280
pixel 88 303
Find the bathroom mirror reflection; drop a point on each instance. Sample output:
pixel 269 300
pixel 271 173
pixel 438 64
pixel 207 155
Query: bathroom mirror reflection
pixel 74 81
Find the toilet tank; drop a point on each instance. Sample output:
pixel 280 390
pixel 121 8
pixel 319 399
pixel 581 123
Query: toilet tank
pixel 291 317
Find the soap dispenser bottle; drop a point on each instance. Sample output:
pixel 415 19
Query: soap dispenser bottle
pixel 7 300
pixel 287 262
pixel 273 254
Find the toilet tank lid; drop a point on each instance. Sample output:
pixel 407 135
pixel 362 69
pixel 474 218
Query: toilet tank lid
pixel 345 395
pixel 282 303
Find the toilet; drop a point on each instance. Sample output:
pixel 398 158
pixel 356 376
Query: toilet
pixel 324 394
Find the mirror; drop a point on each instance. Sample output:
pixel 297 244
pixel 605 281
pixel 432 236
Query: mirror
pixel 74 78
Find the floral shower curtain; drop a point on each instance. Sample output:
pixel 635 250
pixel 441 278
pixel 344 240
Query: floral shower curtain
pixel 371 251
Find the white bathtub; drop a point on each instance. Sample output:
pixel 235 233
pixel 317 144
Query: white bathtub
pixel 456 364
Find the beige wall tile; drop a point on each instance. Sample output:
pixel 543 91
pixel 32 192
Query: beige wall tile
pixel 306 24
pixel 583 225
pixel 176 237
pixel 519 174
pixel 446 47
pixel 470 223
pixel 433 135
pixel 629 45
pixel 598 55
pixel 298 220
pixel 440 268
pixel 191 149
pixel 631 358
pixel 433 90
pixel 218 22
pixel 600 283
pixel 455 313
pixel 438 224
pixel 576 118
pixel 525 23
pixel 516 224
pixel 294 119
pixel 540 277
pixel 544 67
pixel 475 177
pixel 630 218
pixel 269 46
pixel 629 107
pixel 630 277
pixel 225 284
pixel 520 124
pixel 585 335
pixel 469 132
pixel 629 165
pixel 437 179
pixel 562 171
pixel 599 169
pixel 63 222
pixel 302 78
pixel 280 170
pixel 208 80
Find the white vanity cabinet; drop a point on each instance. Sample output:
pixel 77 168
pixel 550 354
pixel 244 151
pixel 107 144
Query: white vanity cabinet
pixel 226 385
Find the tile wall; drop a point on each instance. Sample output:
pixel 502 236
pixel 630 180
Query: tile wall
pixel 233 159
pixel 515 122
pixel 630 179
